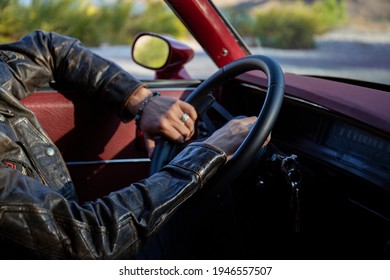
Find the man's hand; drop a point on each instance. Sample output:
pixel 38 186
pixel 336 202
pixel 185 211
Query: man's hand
pixel 229 137
pixel 169 117
pixel 163 116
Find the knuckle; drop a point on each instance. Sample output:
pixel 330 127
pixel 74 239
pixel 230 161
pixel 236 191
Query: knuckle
pixel 162 123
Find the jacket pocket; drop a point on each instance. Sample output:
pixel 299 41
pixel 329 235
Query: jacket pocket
pixel 44 156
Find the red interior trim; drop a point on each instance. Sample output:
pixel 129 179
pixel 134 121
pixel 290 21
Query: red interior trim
pixel 367 105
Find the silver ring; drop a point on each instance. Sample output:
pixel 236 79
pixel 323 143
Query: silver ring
pixel 184 117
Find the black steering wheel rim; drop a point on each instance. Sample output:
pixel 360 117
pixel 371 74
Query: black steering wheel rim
pixel 201 99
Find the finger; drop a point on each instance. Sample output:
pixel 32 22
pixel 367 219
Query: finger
pixel 150 145
pixel 178 110
pixel 267 140
pixel 183 129
pixel 175 131
pixel 189 109
pixel 251 119
pixel 190 124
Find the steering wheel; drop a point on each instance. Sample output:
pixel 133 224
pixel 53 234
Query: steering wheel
pixel 202 99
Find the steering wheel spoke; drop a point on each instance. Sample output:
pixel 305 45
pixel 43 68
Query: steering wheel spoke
pixel 208 126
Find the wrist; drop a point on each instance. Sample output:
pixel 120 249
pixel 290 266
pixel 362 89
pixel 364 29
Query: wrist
pixel 142 106
pixel 136 99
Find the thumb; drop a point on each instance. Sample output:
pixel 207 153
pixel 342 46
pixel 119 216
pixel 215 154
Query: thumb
pixel 150 144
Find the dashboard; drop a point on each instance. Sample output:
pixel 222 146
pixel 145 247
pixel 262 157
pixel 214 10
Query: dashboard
pixel 358 149
pixel 321 134
pixel 345 166
pixel 337 141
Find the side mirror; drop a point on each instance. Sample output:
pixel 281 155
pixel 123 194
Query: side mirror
pixel 163 54
pixel 151 51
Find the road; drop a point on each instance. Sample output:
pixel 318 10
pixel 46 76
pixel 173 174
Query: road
pixel 353 56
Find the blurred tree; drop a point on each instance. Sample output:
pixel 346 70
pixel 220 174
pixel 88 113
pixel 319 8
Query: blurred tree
pixel 10 24
pixel 157 18
pixel 93 22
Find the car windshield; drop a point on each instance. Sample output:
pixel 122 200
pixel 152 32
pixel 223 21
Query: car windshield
pixel 338 39
pixel 332 38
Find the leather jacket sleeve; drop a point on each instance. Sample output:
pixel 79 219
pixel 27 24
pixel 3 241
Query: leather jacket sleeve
pixel 38 219
pixel 46 225
pixel 40 57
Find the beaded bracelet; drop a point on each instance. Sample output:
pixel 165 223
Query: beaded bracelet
pixel 142 107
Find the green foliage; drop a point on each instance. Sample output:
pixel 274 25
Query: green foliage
pixel 157 18
pixel 294 24
pixel 241 20
pixel 330 13
pixel 114 22
pixel 290 24
pixel 286 26
pixel 10 25
pixel 62 16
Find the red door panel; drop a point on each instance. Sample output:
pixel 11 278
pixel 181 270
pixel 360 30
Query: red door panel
pixel 101 152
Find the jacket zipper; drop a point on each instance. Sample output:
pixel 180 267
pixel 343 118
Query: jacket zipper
pixel 7 113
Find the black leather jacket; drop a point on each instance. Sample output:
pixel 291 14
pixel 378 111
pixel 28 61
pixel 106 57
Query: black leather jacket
pixel 39 213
